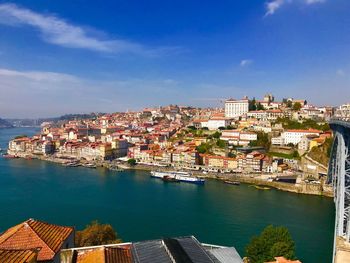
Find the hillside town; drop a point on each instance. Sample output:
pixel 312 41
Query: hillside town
pixel 263 138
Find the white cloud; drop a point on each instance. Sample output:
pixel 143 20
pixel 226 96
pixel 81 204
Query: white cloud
pixel 38 76
pixel 274 5
pixel 43 94
pixel 57 31
pixel 310 2
pixel 246 62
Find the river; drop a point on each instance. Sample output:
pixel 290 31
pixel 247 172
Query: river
pixel 141 208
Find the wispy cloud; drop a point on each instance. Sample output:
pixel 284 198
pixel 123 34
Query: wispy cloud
pixel 39 75
pixel 57 31
pixel 273 5
pixel 42 93
pixel 246 62
pixel 310 2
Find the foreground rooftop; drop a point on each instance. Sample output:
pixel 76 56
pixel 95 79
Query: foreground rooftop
pixel 180 249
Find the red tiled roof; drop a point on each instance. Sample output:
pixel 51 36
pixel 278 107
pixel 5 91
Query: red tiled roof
pixel 305 131
pixel 18 256
pixel 35 234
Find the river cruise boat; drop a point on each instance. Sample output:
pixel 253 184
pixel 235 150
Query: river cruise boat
pixel 180 176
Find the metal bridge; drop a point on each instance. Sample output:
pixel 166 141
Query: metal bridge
pixel 339 177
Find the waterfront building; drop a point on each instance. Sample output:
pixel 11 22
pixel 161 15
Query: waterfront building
pixel 236 108
pixel 42 238
pixel 219 162
pixel 167 250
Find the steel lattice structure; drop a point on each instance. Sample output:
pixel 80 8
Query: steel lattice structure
pixel 339 177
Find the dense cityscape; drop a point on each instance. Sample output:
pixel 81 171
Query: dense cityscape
pixel 175 131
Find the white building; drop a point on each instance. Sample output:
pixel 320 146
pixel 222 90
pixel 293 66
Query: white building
pixel 236 137
pixel 236 108
pixel 294 136
pixel 343 111
pixel 215 123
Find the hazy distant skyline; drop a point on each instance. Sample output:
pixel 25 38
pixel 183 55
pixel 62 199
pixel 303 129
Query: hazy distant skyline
pixel 59 57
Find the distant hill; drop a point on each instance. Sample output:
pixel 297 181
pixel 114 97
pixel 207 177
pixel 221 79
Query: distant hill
pixel 5 124
pixel 38 122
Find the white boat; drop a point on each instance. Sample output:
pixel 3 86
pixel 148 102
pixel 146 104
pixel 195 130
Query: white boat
pixel 181 176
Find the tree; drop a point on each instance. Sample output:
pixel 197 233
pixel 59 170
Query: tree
pixel 96 234
pixel 221 143
pixel 231 155
pixel 260 107
pixel 272 242
pixel 216 135
pixel 262 140
pixel 203 148
pixel 252 104
pixel 296 106
pixel 132 161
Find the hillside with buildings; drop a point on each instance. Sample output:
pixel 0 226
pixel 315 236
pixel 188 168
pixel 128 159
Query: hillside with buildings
pixel 237 138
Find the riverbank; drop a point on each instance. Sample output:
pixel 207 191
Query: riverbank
pixel 252 179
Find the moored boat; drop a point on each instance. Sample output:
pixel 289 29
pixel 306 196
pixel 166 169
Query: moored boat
pixel 71 164
pixel 232 182
pixel 89 165
pixel 180 176
pixel 10 156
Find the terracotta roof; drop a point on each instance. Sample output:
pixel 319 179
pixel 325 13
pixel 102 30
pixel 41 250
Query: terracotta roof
pixel 35 234
pixel 18 256
pixel 305 131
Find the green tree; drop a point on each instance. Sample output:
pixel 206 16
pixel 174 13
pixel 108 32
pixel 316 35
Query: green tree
pixel 132 162
pixel 203 148
pixel 260 107
pixel 252 104
pixel 262 140
pixel 296 106
pixel 96 234
pixel 216 135
pixel 272 242
pixel 231 155
pixel 221 143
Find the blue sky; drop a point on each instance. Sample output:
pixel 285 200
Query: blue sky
pixel 76 56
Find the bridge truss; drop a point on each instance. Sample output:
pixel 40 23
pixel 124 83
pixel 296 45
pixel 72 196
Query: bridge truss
pixel 339 177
